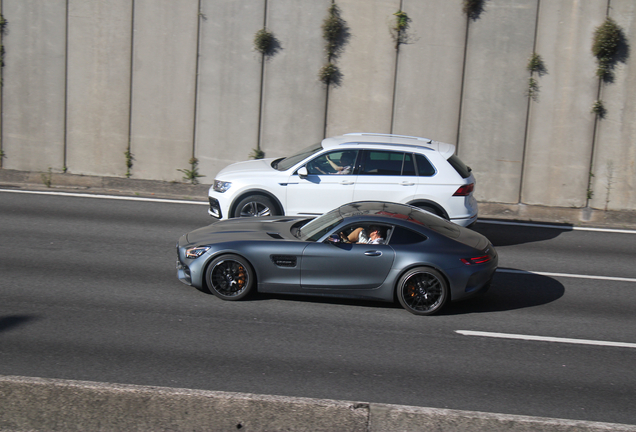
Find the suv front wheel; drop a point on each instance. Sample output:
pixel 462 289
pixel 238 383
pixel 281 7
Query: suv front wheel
pixel 255 205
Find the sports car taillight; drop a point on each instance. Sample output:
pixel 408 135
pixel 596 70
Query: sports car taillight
pixel 476 260
pixel 465 190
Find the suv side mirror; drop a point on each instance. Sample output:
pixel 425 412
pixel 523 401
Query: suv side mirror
pixel 302 172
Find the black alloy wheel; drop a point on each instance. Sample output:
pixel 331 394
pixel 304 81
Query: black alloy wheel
pixel 422 291
pixel 230 277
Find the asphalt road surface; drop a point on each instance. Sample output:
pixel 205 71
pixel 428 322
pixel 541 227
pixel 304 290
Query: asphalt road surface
pixel 89 292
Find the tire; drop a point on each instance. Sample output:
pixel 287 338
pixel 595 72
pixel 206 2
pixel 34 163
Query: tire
pixel 422 291
pixel 230 277
pixel 255 205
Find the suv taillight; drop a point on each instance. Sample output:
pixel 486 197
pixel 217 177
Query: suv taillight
pixel 465 190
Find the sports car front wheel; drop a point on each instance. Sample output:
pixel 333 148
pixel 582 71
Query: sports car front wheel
pixel 230 277
pixel 422 291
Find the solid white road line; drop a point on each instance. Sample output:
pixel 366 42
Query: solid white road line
pixel 492 222
pixel 568 275
pixel 546 339
pixel 561 227
pixel 114 197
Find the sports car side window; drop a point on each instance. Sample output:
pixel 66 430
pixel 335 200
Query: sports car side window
pixel 404 236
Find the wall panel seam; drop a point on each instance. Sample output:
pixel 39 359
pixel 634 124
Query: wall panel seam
pixel 529 108
pixel 65 121
pixel 196 81
pixel 131 83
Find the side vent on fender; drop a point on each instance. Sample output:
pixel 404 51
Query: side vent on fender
pixel 274 235
pixel 284 260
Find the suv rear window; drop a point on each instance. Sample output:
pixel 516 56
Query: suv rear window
pixel 461 168
pixel 387 163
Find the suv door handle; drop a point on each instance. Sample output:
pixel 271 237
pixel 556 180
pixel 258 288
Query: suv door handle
pixel 404 183
pixel 373 253
pixel 346 182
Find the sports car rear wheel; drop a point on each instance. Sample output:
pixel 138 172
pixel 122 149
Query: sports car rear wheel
pixel 422 291
pixel 230 277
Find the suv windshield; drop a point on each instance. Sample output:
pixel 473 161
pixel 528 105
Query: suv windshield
pixel 288 162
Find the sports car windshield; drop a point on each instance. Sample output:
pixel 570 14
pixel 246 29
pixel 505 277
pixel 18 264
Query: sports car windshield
pixel 320 226
pixel 290 161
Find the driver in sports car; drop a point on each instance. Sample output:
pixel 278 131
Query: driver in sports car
pixel 362 236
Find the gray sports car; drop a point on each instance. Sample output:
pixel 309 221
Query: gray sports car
pixel 369 250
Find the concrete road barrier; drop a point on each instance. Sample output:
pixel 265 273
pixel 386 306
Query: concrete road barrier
pixel 36 404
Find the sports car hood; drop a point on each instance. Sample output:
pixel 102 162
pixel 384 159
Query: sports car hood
pixel 254 166
pixel 267 228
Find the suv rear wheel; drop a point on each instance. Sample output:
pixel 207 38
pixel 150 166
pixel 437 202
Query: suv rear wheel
pixel 255 205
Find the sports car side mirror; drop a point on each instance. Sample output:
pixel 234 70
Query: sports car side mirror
pixel 334 238
pixel 302 172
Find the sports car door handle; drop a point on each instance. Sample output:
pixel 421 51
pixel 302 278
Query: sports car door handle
pixel 373 253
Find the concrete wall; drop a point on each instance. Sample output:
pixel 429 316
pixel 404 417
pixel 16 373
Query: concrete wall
pixel 163 87
pixel 430 69
pixel 614 167
pixel 33 404
pixel 293 115
pixel 98 86
pixel 229 84
pixel 34 86
pixel 561 124
pixel 363 102
pixel 85 80
pixel 495 105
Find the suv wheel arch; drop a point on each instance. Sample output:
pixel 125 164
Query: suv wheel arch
pixel 245 194
pixel 432 207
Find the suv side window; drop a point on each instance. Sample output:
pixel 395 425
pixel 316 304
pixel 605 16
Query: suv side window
pixel 387 163
pixel 338 162
pixel 424 167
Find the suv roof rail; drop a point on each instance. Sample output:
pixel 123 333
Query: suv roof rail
pixel 390 136
pixel 387 144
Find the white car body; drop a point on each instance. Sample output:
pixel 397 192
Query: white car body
pixel 303 188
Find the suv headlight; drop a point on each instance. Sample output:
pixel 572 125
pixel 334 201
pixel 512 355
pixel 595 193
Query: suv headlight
pixel 221 186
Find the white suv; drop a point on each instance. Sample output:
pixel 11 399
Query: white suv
pixel 347 168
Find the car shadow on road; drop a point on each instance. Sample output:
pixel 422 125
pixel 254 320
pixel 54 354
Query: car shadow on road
pixel 501 234
pixel 12 321
pixel 511 289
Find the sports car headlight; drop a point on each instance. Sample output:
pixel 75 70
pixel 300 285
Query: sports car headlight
pixel 221 186
pixel 196 251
